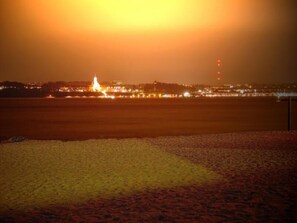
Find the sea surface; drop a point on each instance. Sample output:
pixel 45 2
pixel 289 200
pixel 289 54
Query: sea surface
pixel 85 118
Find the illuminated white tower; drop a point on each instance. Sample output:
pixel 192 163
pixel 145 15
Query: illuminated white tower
pixel 96 86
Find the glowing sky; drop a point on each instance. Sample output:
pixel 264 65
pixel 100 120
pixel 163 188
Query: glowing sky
pixel 142 41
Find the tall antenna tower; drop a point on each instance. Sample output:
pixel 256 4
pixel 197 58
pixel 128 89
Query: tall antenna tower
pixel 219 72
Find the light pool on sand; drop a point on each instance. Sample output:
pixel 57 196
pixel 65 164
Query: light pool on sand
pixel 40 173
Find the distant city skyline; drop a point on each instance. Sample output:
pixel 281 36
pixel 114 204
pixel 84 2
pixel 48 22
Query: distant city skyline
pixel 114 90
pixel 168 41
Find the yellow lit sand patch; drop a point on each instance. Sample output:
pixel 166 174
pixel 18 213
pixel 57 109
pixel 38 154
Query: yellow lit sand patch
pixel 39 173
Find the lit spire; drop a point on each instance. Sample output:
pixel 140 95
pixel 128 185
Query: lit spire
pixel 96 85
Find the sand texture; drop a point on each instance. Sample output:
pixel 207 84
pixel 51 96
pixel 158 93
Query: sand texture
pixel 234 177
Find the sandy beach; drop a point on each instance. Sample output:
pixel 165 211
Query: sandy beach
pixel 232 177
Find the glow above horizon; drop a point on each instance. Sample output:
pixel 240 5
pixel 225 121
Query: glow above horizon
pixel 142 41
pixel 135 15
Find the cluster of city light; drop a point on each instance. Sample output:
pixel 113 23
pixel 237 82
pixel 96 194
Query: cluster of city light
pixel 92 96
pixel 120 90
pixel 291 94
pixel 153 95
pixel 33 87
pixel 238 95
pixel 97 88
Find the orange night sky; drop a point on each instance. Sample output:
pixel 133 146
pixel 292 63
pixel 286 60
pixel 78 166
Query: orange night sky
pixel 142 41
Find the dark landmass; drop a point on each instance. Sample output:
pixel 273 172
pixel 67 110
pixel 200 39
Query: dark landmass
pixel 83 88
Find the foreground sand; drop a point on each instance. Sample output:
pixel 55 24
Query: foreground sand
pixel 238 177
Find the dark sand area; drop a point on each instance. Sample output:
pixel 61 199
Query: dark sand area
pixel 257 183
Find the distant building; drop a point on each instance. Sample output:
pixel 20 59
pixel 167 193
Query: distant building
pixel 95 85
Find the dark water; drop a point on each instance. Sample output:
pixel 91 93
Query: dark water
pixel 97 118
